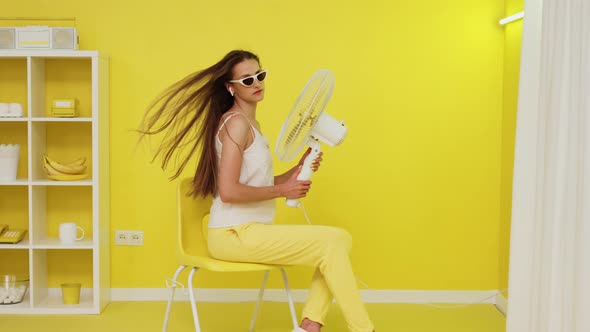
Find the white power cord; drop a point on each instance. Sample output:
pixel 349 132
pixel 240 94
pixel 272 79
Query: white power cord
pixel 305 212
pixel 174 284
pixel 309 222
pixel 452 306
pixel 426 304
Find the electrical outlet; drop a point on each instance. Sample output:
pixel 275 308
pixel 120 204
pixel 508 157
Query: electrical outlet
pixel 128 238
pixel 121 238
pixel 135 238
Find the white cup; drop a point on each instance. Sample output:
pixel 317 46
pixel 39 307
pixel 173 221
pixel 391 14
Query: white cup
pixel 9 161
pixel 3 109
pixel 68 232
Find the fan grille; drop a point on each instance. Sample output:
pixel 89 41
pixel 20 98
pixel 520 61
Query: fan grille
pixel 304 114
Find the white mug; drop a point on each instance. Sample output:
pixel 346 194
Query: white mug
pixel 68 232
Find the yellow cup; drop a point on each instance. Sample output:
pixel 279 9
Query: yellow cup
pixel 71 293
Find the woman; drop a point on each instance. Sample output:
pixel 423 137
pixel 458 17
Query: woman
pixel 213 111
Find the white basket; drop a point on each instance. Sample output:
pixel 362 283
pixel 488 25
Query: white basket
pixel 8 161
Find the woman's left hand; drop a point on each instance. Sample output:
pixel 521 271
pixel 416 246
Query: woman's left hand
pixel 315 165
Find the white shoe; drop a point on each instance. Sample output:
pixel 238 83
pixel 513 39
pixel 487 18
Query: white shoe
pixel 298 329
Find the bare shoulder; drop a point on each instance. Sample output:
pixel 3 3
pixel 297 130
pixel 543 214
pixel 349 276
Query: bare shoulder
pixel 234 127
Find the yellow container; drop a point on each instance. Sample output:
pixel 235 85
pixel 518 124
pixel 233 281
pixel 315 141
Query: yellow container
pixel 71 293
pixel 64 108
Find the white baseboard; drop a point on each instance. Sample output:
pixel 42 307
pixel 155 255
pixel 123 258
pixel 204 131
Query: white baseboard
pixel 501 304
pixel 299 295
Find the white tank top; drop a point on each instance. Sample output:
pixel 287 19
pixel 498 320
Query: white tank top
pixel 256 171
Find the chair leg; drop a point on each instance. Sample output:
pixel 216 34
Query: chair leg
pixel 193 301
pixel 260 297
pixel 290 298
pixel 171 299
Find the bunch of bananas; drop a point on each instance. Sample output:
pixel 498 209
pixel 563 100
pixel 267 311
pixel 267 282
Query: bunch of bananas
pixel 61 171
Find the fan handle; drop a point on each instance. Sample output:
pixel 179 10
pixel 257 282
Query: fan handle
pixel 306 170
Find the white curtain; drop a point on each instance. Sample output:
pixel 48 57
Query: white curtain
pixel 550 245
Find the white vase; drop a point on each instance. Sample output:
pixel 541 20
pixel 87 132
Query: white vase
pixel 8 161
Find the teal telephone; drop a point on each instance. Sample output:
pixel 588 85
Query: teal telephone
pixel 11 236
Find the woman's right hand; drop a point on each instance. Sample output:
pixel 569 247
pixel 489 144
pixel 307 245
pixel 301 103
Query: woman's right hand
pixel 293 188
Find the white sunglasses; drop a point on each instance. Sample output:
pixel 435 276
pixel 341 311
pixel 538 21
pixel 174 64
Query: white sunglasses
pixel 248 81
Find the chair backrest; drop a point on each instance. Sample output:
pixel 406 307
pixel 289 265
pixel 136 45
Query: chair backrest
pixel 192 224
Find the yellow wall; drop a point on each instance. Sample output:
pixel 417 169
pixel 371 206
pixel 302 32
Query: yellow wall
pixel 513 40
pixel 420 84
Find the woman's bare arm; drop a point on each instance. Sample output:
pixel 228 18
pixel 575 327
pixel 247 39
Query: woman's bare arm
pixel 236 136
pixel 315 166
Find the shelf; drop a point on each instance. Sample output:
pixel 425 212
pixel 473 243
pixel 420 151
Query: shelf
pixel 14 261
pixel 13 119
pixel 19 307
pixel 62 141
pixel 65 266
pixel 15 132
pixel 54 205
pixel 36 78
pixel 18 182
pixel 11 54
pixel 64 79
pixel 62 183
pixel 47 119
pixel 77 119
pixel 54 243
pixel 23 244
pixel 54 301
pixel 13 83
pixel 14 211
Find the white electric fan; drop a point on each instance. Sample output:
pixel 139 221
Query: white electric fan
pixel 307 123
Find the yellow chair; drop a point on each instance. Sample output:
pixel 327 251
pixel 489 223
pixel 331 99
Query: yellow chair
pixel 192 252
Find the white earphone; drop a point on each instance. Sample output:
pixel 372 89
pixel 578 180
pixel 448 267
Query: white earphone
pixel 231 92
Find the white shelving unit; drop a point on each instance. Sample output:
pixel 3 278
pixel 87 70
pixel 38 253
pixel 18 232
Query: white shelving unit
pixel 34 202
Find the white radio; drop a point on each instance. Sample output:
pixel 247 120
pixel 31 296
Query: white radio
pixel 38 37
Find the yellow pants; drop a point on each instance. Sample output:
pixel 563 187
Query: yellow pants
pixel 325 248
